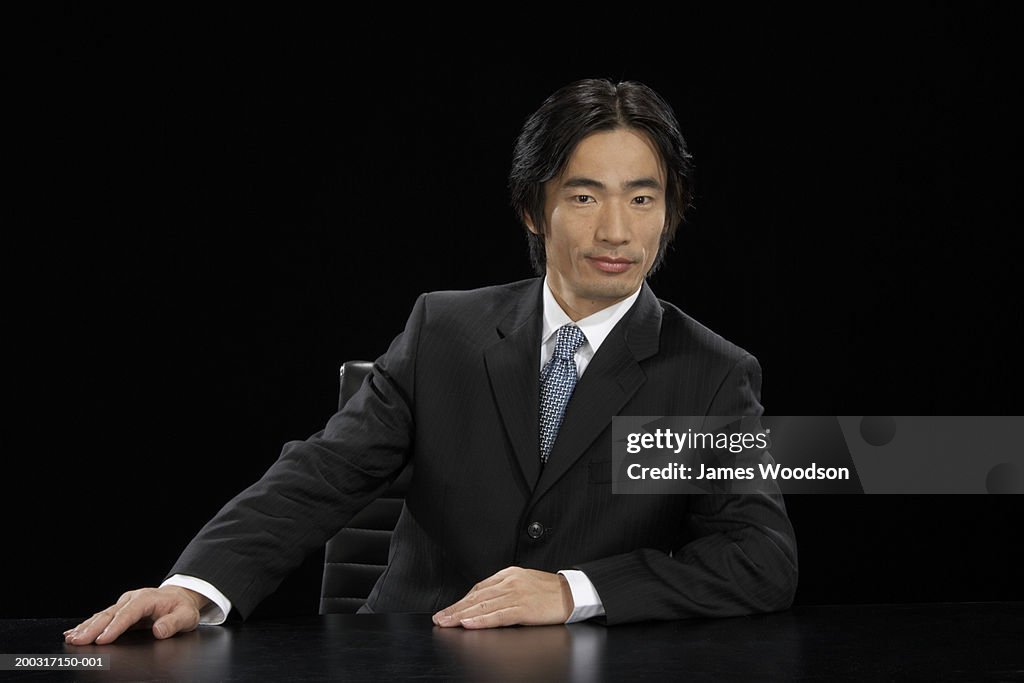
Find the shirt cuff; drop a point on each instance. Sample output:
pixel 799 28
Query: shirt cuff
pixel 216 612
pixel 587 603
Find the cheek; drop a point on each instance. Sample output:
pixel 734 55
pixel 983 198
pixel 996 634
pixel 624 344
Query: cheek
pixel 561 240
pixel 564 222
pixel 652 237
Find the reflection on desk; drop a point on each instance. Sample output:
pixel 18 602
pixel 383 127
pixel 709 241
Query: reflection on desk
pixel 967 641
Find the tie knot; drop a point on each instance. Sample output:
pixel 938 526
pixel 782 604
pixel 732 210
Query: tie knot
pixel 570 339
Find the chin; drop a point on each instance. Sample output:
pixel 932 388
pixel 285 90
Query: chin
pixel 611 290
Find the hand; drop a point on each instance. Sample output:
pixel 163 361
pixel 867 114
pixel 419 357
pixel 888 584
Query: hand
pixel 512 596
pixel 168 610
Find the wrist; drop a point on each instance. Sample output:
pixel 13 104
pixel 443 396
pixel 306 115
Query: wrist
pixel 568 605
pixel 198 599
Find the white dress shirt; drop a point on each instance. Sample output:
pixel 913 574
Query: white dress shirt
pixel 595 328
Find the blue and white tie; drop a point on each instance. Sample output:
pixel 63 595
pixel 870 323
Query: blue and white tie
pixel 557 380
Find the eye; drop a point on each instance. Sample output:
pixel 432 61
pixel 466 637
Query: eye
pixel 643 200
pixel 582 198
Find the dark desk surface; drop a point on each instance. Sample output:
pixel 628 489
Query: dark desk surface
pixel 972 641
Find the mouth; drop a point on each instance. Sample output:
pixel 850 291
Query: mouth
pixel 609 264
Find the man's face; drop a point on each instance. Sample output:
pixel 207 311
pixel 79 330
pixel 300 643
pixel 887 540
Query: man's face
pixel 605 215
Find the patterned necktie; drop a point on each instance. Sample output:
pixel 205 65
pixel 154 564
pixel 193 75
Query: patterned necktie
pixel 557 380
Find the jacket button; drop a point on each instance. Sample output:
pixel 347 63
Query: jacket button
pixel 535 530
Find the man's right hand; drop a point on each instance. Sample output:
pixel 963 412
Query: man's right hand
pixel 168 610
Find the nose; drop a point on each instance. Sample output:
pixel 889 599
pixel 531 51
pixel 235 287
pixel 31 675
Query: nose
pixel 612 226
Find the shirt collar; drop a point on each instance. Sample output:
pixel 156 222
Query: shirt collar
pixel 595 327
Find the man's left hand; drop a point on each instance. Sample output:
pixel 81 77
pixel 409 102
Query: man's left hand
pixel 512 596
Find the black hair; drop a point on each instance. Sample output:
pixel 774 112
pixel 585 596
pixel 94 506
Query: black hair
pixel 551 134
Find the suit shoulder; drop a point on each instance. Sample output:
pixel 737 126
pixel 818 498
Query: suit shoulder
pixel 682 333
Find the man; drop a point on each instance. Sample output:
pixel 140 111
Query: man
pixel 503 399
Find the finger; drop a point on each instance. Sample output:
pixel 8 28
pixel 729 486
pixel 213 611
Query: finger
pixel 445 616
pixel 486 601
pixel 475 610
pixel 87 630
pixel 450 615
pixel 135 609
pixel 507 616
pixel 182 618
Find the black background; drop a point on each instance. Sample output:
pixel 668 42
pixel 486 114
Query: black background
pixel 207 214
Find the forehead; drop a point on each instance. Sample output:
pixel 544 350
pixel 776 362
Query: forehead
pixel 618 154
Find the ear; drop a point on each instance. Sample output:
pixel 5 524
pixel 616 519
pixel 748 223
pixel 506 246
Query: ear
pixel 528 221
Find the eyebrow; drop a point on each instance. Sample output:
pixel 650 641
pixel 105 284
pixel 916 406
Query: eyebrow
pixel 581 181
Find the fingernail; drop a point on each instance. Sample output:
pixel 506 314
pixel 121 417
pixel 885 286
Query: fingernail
pixel 161 630
pixel 468 622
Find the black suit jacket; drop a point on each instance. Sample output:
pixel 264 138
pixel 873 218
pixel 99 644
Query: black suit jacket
pixel 457 393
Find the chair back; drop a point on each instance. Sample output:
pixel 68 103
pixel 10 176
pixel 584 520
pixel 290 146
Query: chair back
pixel 357 555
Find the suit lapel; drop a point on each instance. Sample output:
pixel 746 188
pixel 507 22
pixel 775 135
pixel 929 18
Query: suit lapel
pixel 610 380
pixel 513 367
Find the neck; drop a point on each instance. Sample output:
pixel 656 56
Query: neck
pixel 579 308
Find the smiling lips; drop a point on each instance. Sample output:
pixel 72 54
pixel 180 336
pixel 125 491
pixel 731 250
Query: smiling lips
pixel 609 264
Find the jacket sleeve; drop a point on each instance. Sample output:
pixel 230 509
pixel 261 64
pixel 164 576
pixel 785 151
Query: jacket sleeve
pixel 315 487
pixel 742 558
